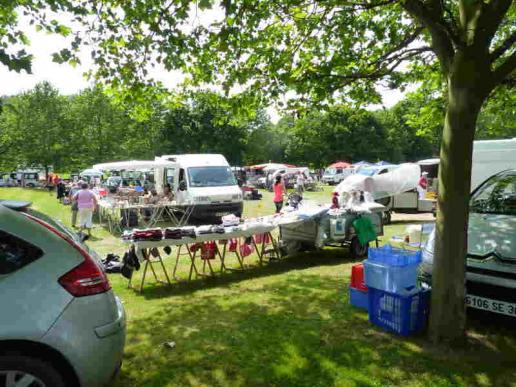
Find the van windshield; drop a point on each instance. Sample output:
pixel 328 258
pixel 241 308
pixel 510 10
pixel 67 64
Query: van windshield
pixel 496 196
pixel 211 177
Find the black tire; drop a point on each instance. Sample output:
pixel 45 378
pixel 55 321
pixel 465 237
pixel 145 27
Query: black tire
pixel 357 250
pixel 387 217
pixel 44 373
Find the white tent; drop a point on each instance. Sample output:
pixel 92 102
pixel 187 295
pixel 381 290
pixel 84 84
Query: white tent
pixel 91 172
pixel 131 165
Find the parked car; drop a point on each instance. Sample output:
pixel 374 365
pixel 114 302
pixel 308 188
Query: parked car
pixel 491 258
pixel 61 324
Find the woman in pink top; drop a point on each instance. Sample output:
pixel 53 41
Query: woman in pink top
pixel 279 190
pixel 86 203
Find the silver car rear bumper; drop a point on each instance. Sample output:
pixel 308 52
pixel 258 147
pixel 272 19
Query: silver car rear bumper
pixel 90 334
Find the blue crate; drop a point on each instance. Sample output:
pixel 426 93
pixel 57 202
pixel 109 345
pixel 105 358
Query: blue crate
pixel 393 256
pixel 358 298
pixel 401 314
pixel 394 279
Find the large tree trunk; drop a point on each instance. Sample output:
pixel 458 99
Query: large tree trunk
pixel 465 98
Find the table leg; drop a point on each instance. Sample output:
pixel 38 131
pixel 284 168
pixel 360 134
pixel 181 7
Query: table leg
pixel 192 266
pixel 177 263
pixel 274 246
pixel 222 257
pixel 259 253
pixel 146 258
pixel 163 267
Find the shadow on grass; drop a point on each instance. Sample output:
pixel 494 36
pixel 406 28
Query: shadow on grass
pixel 326 257
pixel 297 331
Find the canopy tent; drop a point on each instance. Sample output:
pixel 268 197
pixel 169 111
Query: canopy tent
pixel 430 166
pixel 380 163
pixel 340 164
pixel 270 166
pixel 403 178
pixel 91 172
pixel 132 165
pixel 429 162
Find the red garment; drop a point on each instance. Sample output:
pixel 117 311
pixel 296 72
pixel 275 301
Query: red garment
pixel 423 182
pixel 278 192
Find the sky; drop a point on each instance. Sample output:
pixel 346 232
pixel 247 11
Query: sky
pixel 70 80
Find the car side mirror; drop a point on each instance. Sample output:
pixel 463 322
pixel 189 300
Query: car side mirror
pixel 182 185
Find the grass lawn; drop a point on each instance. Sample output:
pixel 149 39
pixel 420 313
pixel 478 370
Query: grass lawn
pixel 286 324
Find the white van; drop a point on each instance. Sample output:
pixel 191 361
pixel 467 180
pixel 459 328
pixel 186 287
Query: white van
pixel 202 180
pixel 333 176
pixel 491 157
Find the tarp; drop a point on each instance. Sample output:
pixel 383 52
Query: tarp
pixel 339 164
pixel 402 179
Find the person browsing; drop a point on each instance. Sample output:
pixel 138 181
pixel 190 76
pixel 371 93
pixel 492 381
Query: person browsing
pixel 86 204
pixel 279 191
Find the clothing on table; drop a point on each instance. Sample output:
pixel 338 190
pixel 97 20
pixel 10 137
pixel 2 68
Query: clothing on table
pixel 85 217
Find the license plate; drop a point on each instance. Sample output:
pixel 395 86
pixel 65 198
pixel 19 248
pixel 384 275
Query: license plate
pixel 495 306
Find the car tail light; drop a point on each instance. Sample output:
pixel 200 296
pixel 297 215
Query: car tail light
pixel 84 280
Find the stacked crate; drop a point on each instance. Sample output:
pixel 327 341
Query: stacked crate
pixel 394 300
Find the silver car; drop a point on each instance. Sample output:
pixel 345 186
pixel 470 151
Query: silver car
pixel 491 259
pixel 60 323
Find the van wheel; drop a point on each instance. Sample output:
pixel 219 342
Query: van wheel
pixel 387 217
pixel 357 250
pixel 27 371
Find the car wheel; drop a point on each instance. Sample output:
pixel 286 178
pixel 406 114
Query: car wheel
pixel 357 250
pixel 17 370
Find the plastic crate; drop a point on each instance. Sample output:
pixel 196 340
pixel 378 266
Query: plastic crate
pixel 359 298
pixel 392 256
pixel 357 277
pixel 395 279
pixel 401 314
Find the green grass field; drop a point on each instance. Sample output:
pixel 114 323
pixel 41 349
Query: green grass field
pixel 288 323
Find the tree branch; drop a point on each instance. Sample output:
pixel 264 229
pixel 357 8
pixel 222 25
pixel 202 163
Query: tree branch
pixel 442 38
pixel 502 48
pixel 387 68
pixel 491 16
pixel 505 69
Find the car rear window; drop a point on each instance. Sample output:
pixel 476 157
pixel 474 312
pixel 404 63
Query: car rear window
pixel 16 253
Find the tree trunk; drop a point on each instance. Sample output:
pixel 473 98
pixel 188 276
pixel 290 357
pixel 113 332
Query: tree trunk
pixel 465 97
